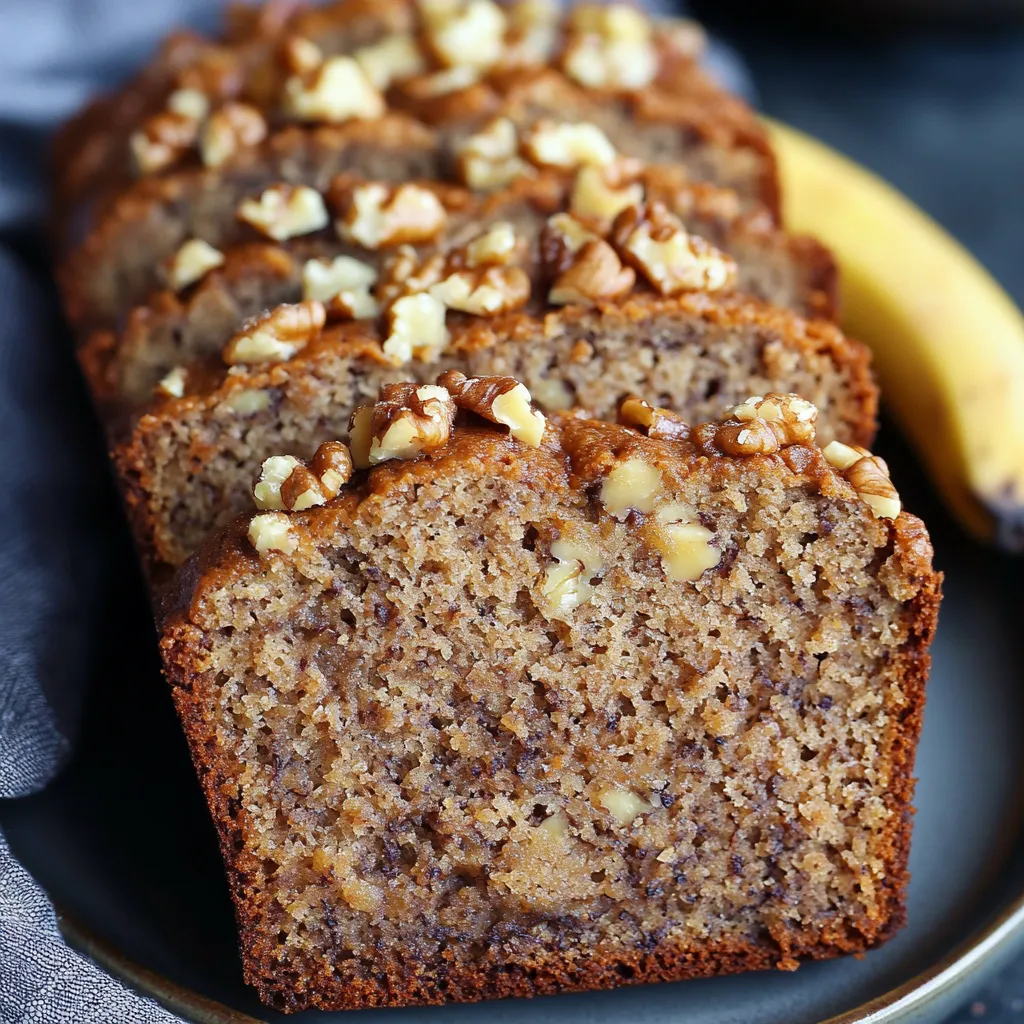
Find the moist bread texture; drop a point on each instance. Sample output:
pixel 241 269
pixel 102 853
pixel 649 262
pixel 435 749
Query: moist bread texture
pixel 190 461
pixel 175 327
pixel 433 781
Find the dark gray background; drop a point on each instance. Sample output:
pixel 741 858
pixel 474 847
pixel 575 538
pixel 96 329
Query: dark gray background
pixel 939 112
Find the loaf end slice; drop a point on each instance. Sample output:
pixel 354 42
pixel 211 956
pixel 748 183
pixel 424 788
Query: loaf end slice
pixel 511 720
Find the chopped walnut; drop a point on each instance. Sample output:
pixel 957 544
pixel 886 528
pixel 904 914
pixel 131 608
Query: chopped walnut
pixel 502 400
pixel 359 436
pixel 335 91
pixel 300 55
pixel 561 239
pixel 490 159
pixel 760 426
pixel 532 35
pixel 422 88
pixel 485 291
pixel 610 47
pixel 632 484
pixel 553 394
pixel 272 531
pixel 416 327
pixel 285 211
pixel 248 401
pixel 470 32
pixel 233 127
pixel 404 273
pixel 660 424
pixel 565 144
pixel 173 384
pixel 684 544
pixel 276 335
pixel 377 215
pixel 408 420
pixel 342 285
pixel 289 483
pixel 623 805
pixel 598 200
pixel 162 141
pixel 568 582
pixel 191 103
pixel 869 476
pixel 656 243
pixel 393 58
pixel 193 261
pixel 494 247
pixel 596 274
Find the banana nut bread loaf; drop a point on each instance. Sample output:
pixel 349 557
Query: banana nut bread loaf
pixel 189 462
pixel 210 293
pixel 292 65
pixel 535 709
pixel 212 158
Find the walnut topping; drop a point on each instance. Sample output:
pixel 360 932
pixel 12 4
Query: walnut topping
pixel 623 804
pixel 869 476
pixel 233 127
pixel 490 159
pixel 842 456
pixel 487 291
pixel 342 285
pixel 300 55
pixel 422 88
pixel 610 47
pixel 173 385
pixel 568 582
pixel 760 426
pixel 163 140
pixel 359 437
pixel 193 261
pixel 563 236
pixel 377 215
pixel 633 484
pixel 395 57
pixel 656 243
pixel 285 211
pixel 335 91
pixel 660 424
pixel 596 274
pixel 532 34
pixel 685 546
pixel 494 247
pixel 564 144
pixel 289 483
pixel 272 531
pixel 502 400
pixel 470 32
pixel 597 199
pixel 191 103
pixel 276 334
pixel 555 825
pixel 416 327
pixel 408 420
pixel 404 273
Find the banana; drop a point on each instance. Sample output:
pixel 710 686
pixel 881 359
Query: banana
pixel 947 341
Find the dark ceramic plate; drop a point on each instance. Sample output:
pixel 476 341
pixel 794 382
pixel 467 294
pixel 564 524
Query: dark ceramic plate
pixel 122 842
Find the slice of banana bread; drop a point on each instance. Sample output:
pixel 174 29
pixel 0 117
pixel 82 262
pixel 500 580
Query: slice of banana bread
pixel 188 464
pixel 508 720
pixel 219 290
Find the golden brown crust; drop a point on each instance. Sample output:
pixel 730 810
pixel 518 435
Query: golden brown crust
pixel 576 454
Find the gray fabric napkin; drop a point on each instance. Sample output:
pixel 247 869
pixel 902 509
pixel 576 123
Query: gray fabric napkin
pixel 56 497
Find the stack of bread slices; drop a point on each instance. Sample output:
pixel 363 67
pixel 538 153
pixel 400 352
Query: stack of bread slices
pixel 537 614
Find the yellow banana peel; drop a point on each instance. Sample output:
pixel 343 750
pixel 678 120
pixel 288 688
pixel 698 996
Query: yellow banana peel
pixel 947 341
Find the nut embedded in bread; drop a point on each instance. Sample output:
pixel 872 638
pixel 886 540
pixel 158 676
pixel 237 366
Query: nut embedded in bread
pixel 501 720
